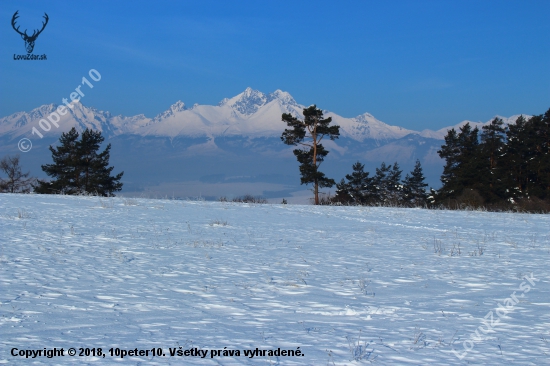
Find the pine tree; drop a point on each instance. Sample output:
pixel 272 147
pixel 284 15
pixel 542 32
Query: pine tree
pixel 545 154
pixel 314 128
pixel 360 184
pixel 309 163
pixel 539 165
pixel 342 195
pixel 527 157
pixel 393 186
pixel 95 170
pixel 509 164
pixel 380 184
pixel 414 187
pixel 64 169
pixel 490 172
pixel 79 168
pixel 516 158
pixel 468 141
pixel 358 188
pixel 493 139
pixel 462 162
pixel 450 152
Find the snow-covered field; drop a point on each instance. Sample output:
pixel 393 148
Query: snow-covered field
pixel 341 285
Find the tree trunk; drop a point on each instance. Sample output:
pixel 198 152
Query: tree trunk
pixel 316 188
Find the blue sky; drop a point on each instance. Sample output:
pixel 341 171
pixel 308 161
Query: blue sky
pixel 417 64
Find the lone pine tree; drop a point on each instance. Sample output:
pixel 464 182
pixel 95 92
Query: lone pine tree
pixel 78 166
pixel 313 128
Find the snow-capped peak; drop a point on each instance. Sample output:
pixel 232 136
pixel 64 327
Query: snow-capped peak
pixel 178 106
pixel 250 113
pixel 284 97
pixel 250 100
pixel 364 117
pixel 247 102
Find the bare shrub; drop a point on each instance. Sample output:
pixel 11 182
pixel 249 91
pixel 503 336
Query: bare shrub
pixel 106 203
pixel 470 198
pixel 17 181
pixel 248 198
pixel 218 223
pixel 534 205
pixel 130 202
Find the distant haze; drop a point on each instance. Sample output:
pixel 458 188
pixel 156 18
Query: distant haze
pixel 230 149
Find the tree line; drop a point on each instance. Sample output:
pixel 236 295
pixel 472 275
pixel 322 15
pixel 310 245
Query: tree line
pixel 501 167
pixel 385 188
pixel 79 167
pixel 498 166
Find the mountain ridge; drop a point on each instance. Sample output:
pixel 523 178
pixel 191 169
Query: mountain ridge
pixel 251 113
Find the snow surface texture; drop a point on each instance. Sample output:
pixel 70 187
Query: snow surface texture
pixel 348 285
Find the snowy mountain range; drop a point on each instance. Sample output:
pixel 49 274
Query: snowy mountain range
pixel 242 133
pixel 250 113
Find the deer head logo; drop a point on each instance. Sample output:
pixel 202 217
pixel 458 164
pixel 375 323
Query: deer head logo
pixel 29 40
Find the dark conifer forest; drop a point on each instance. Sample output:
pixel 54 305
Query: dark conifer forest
pixel 501 167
